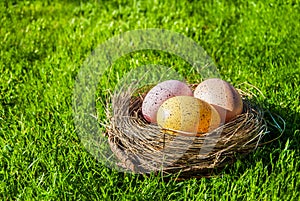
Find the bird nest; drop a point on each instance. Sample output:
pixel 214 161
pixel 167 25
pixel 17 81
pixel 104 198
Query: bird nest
pixel 142 147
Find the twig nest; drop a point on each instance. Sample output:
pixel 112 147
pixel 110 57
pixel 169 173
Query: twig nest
pixel 145 147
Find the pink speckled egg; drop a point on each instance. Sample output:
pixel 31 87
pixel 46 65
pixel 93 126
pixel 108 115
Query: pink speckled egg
pixel 160 93
pixel 222 95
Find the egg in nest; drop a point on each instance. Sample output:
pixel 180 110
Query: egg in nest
pixel 187 114
pixel 222 96
pixel 160 93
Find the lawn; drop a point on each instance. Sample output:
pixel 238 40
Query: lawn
pixel 44 45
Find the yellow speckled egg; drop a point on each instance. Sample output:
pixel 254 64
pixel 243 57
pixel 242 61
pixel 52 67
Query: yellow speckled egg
pixel 222 96
pixel 188 114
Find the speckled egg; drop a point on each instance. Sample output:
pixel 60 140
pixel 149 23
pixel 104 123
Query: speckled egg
pixel 222 95
pixel 160 93
pixel 188 114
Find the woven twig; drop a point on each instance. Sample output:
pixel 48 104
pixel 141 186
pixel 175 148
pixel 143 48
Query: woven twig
pixel 142 147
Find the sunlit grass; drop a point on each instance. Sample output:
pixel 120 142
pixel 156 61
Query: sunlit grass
pixel 43 46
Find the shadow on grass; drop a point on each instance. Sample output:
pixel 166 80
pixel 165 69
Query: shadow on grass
pixel 283 135
pixel 269 153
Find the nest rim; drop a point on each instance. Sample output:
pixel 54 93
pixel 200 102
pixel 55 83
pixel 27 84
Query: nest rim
pixel 130 155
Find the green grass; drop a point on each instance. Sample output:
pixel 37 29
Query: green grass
pixel 43 46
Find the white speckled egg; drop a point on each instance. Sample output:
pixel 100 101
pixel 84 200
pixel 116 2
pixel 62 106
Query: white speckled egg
pixel 160 93
pixel 222 95
pixel 188 114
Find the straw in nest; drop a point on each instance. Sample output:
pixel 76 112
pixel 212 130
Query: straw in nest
pixel 143 148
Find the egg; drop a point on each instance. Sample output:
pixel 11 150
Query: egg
pixel 160 93
pixel 188 114
pixel 222 95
